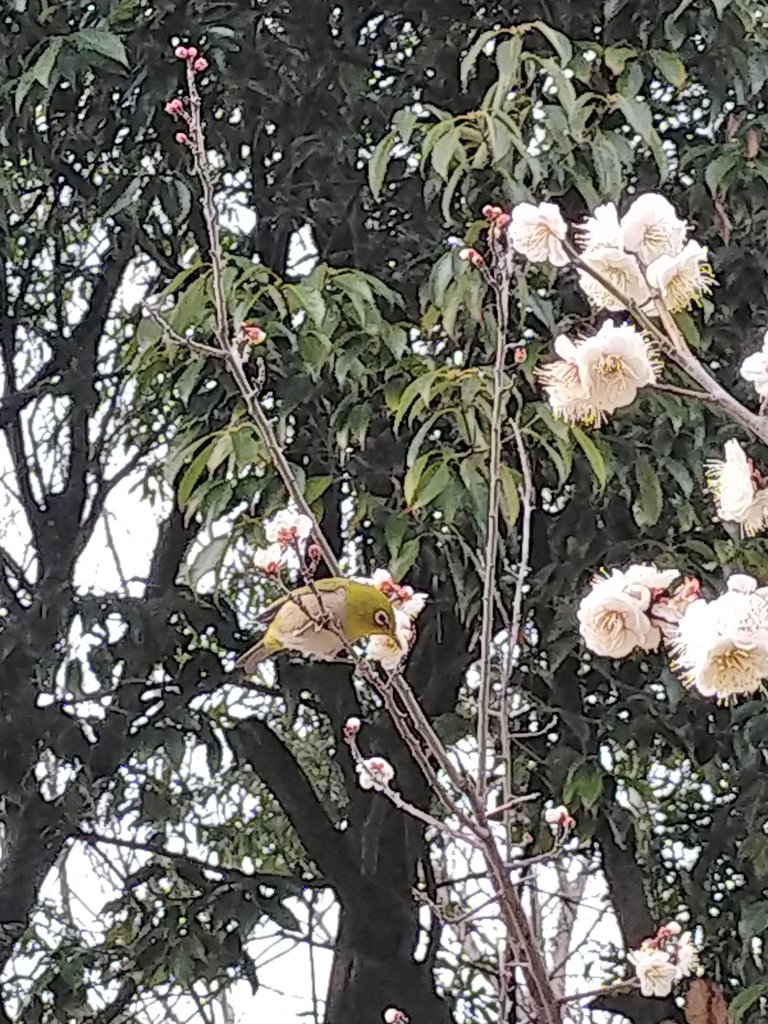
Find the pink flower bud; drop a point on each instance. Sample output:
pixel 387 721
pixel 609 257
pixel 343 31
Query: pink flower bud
pixel 313 553
pixel 182 139
pixel 489 211
pixel 200 64
pixel 472 256
pixel 191 52
pixel 502 220
pixel 394 1016
pixel 520 354
pixel 352 727
pixel 253 334
pixel 181 52
pixel 173 107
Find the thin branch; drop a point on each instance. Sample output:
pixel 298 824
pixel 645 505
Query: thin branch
pixel 500 284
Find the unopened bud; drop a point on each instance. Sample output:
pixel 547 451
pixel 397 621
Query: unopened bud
pixel 173 107
pixel 489 211
pixel 313 553
pixel 181 52
pixel 674 928
pixel 200 64
pixel 520 355
pixel 253 334
pixel 182 139
pixel 394 1016
pixel 471 256
pixel 352 727
pixel 502 220
pixel 191 52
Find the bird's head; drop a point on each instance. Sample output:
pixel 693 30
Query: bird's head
pixel 369 613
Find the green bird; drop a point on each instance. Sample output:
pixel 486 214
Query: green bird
pixel 359 609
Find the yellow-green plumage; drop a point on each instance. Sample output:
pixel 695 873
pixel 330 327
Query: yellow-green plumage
pixel 294 623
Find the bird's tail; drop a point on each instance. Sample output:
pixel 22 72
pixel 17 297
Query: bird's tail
pixel 251 658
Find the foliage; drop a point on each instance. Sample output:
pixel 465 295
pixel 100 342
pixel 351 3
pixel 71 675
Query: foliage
pixel 377 367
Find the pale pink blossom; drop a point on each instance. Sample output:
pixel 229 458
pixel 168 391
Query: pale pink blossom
pixel 287 527
pixel 375 773
pixel 537 232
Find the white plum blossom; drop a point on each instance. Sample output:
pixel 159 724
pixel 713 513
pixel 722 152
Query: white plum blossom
pixel 559 818
pixel 374 773
pixel 686 956
pixel 615 617
pixel 286 527
pixel 683 279
pixel 352 727
pixel 621 270
pixel 721 646
pixel 268 560
pixel 599 375
pixel 616 362
pixel 755 369
pixel 601 230
pixel 736 487
pixel 389 652
pixel 655 971
pixel 537 232
pixel 651 228
pixel 403 598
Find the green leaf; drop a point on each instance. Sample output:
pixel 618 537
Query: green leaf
pixel 247 448
pixel 443 151
pixel 616 57
pixel 753 920
pixel 508 60
pixel 720 6
pixel 101 41
pixel 670 66
pixel 45 63
pixel 207 560
pixel 220 451
pixel 24 84
pixel 378 164
pixel 639 117
pixel 717 169
pixel 413 476
pixel 311 301
pixel 647 510
pixel 560 43
pixel 469 60
pixel 405 558
pixel 435 480
pixel 746 1000
pixel 193 474
pixel 510 495
pixel 316 486
pixel 610 176
pixel 594 456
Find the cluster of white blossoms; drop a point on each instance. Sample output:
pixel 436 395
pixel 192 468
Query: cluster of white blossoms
pixel 628 611
pixel 642 255
pixel 660 962
pixel 408 605
pixel 739 490
pixel 597 375
pixel 636 261
pixel 720 647
pixel 284 531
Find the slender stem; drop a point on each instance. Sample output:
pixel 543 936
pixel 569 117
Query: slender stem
pixel 501 292
pixel 606 990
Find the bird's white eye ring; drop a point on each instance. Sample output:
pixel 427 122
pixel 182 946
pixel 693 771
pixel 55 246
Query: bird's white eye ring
pixel 381 618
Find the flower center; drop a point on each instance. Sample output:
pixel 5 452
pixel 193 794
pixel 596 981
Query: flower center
pixel 610 367
pixel 611 623
pixel 656 237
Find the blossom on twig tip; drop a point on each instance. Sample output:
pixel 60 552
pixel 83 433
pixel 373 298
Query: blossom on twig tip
pixel 559 818
pixel 181 52
pixel 374 773
pixel 738 490
pixel 351 728
pixel 174 107
pixel 200 64
pixel 394 1016
pixel 182 138
pixel 268 560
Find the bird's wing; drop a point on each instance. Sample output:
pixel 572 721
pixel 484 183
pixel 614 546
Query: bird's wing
pixel 331 602
pixel 295 620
